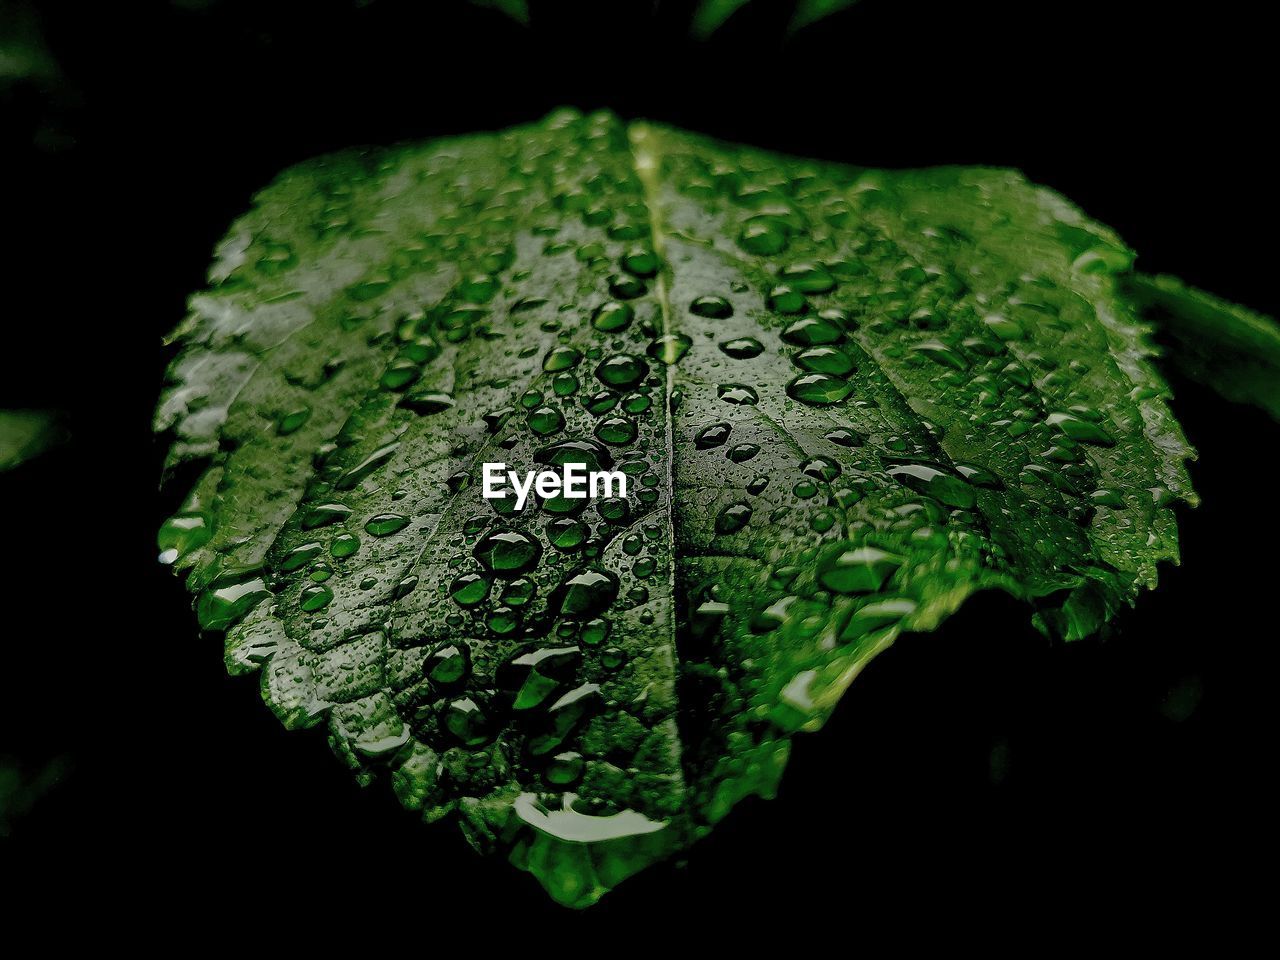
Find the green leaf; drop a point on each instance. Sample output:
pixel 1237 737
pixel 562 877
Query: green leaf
pixel 811 11
pixel 25 434
pixel 517 10
pixel 710 15
pixel 846 399
pixel 1224 346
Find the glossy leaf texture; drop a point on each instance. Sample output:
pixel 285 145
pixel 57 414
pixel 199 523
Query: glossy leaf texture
pixel 846 399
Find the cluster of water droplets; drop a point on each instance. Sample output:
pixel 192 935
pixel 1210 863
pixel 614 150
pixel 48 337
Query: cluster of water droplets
pixel 838 414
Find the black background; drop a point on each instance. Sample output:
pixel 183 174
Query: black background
pixel 975 777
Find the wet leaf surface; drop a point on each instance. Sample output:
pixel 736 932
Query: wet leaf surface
pixel 846 400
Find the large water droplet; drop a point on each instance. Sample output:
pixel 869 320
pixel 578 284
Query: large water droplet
pixel 385 524
pixel 612 316
pixel 825 360
pixel 469 590
pixel 858 570
pixel 670 347
pixel 621 371
pixel 587 594
pixel 738 394
pixel 819 389
pixel 743 348
pixel 508 552
pixel 712 436
pixel 813 332
pixel 935 483
pixel 733 518
pixel 808 277
pixel 716 308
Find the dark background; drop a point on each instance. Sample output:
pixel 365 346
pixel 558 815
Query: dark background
pixel 976 777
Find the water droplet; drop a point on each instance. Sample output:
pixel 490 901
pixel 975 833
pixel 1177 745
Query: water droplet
pixel 670 347
pixel 400 374
pixel 587 593
pixel 616 431
pixel 180 534
pixel 743 348
pixel 640 262
pixel 825 360
pixel 1107 498
pixel 612 316
pixel 385 524
pixel 978 476
pixel 566 533
pixel 427 402
pixel 545 421
pixel 1078 428
pixel 941 353
pixel 819 389
pixel 813 332
pixel 636 403
pixel 466 721
pixel 478 288
pixel 519 592
pixel 738 394
pixel 712 436
pixel 733 518
pixel 858 570
pixel 325 514
pixel 600 403
pixel 314 597
pixel 293 421
pixel 621 371
pixel 762 238
pixel 808 278
pixel 595 632
pixel 821 468
pixel 935 483
pixel 502 621
pixel 564 385
pixel 508 552
pixel 561 358
pixel 786 299
pixel 616 510
pixel 590 454
pixel 844 438
pixel 344 545
pixel 366 466
pixel 877 615
pixel 626 288
pixel 469 590
pixel 448 666
pixel 299 557
pixel 713 307
pixel 230 597
pixel 565 769
pixel 1003 327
